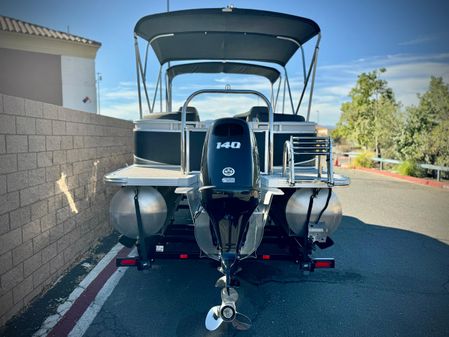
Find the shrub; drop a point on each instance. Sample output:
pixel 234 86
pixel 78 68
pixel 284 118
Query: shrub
pixel 410 168
pixel 364 159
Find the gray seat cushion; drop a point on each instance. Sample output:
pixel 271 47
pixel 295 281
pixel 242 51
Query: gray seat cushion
pixel 260 113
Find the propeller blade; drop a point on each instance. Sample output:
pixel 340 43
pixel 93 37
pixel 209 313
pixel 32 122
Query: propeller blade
pixel 241 322
pixel 213 321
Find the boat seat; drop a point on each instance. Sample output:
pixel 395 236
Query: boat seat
pixel 260 113
pixel 191 116
pixel 242 116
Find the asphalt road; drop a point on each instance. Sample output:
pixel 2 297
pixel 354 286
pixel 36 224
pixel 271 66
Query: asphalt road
pixel 391 278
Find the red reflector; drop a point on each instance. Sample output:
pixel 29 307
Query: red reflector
pixel 128 262
pixel 183 256
pixel 266 257
pixel 324 264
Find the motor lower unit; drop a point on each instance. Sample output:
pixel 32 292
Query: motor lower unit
pixel 153 210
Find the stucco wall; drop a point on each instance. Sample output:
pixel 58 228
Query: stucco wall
pixel 78 83
pixel 53 202
pixel 35 76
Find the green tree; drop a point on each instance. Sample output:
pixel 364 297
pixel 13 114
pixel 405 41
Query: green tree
pixel 425 136
pixel 437 144
pixel 371 118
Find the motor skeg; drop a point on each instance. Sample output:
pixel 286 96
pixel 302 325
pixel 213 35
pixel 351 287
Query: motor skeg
pixel 230 180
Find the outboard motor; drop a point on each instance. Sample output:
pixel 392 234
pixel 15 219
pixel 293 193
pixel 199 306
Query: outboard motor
pixel 230 183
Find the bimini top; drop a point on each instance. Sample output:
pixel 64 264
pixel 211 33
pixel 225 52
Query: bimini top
pixel 271 74
pixel 225 34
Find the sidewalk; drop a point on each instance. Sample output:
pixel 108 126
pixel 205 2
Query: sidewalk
pixel 414 180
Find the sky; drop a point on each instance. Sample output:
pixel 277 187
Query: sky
pixel 409 38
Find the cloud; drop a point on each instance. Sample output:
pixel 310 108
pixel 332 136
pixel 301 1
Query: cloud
pixel 335 90
pixel 124 91
pixel 128 111
pixel 368 64
pixel 235 82
pixel 218 106
pixel 127 83
pixel 418 40
pixel 120 94
pixel 407 74
pixel 417 70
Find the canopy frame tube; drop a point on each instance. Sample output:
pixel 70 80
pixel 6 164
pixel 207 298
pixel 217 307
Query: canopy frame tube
pixel 169 81
pixel 289 91
pixel 142 72
pixel 312 67
pixel 140 75
pixel 159 82
pixel 277 94
pixel 168 103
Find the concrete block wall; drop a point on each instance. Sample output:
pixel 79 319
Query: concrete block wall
pixel 53 202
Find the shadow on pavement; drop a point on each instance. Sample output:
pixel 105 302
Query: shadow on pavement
pixel 387 282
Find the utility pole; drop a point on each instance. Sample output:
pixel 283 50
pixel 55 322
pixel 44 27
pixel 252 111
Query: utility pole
pixel 99 78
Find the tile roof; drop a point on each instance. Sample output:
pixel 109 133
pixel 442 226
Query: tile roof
pixel 8 24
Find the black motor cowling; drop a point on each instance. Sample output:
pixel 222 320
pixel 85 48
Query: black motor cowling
pixel 230 181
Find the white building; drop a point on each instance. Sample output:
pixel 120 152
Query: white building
pixel 46 65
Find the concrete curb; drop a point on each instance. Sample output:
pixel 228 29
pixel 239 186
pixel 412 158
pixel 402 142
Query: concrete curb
pixel 420 181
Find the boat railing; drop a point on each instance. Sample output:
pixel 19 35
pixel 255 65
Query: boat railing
pixel 308 155
pixel 185 132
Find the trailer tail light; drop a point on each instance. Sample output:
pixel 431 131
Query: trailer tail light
pixel 183 256
pixel 127 262
pixel 266 257
pixel 324 263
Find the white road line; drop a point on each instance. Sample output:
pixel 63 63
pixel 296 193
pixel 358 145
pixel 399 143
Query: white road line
pixel 100 266
pixel 94 308
pixel 52 320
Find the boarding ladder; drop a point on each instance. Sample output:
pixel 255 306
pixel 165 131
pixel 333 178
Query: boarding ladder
pixel 296 169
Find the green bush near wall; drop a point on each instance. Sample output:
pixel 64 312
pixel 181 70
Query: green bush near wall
pixel 410 168
pixel 364 159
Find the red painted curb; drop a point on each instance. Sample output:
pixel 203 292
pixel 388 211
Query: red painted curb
pixel 68 321
pixel 414 180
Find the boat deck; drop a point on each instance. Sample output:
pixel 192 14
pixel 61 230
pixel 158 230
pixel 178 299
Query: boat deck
pixel 141 175
pixel 305 179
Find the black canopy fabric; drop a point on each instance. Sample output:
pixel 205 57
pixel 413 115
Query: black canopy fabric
pixel 271 74
pixel 225 34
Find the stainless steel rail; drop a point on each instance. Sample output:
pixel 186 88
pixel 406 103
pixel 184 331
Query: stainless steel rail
pixel 310 146
pixel 184 156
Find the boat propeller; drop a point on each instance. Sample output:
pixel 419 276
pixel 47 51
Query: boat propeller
pixel 226 312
